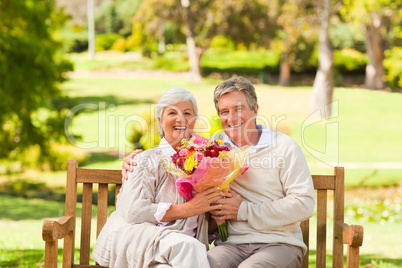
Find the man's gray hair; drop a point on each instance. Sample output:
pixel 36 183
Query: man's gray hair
pixel 236 84
pixel 171 97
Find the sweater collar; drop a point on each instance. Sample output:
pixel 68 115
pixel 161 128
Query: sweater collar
pixel 165 148
pixel 266 138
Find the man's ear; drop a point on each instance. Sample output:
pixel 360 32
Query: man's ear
pixel 256 109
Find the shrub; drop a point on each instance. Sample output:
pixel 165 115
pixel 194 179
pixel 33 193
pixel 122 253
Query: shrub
pixel 374 210
pixel 105 41
pixel 136 39
pixel 74 41
pixel 61 153
pixel 145 137
pixel 393 67
pixel 350 60
pixel 174 61
pixel 239 62
pixel 221 41
pixel 120 45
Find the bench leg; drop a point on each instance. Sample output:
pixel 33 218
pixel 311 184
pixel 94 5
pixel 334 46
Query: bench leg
pixel 51 254
pixel 352 259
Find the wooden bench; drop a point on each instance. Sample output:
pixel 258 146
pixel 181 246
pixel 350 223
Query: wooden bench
pixel 52 231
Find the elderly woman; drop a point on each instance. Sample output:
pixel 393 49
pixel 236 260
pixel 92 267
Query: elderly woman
pixel 154 226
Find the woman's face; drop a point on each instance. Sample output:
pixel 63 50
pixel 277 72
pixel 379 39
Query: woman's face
pixel 178 122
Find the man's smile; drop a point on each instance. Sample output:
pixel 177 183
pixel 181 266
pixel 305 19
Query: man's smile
pixel 235 126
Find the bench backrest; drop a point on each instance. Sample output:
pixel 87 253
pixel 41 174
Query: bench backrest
pixel 88 178
pixel 335 185
pixel 103 178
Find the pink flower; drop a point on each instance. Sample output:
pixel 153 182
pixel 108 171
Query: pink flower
pixel 200 147
pixel 198 156
pixel 197 139
pixel 183 152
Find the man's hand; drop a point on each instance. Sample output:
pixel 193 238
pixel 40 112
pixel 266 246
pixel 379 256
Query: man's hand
pixel 129 160
pixel 229 207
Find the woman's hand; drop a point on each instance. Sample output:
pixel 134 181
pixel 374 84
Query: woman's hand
pixel 129 160
pixel 229 207
pixel 201 203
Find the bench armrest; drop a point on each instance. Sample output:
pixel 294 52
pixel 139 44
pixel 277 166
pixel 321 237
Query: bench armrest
pixel 352 236
pixel 54 230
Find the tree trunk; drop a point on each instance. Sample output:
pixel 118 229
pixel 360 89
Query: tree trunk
pixel 194 52
pixel 323 84
pixel 194 58
pixel 375 52
pixel 161 34
pixel 91 29
pixel 285 70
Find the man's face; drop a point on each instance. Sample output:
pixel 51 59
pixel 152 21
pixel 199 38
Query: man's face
pixel 237 119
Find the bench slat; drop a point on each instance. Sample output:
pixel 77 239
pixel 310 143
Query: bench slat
pixel 321 228
pixel 102 207
pixel 324 182
pixel 305 226
pixel 339 208
pixel 87 266
pixel 98 176
pixel 86 223
pixel 71 209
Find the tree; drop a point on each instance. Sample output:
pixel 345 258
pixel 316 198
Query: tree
pixel 295 21
pixel 323 84
pixel 115 16
pixel 191 23
pixel 378 17
pixel 201 20
pixel 77 9
pixel 30 73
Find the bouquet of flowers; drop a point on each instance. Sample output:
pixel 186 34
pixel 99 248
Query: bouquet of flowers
pixel 202 164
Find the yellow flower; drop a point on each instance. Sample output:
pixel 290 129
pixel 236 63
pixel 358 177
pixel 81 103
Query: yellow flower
pixel 189 164
pixel 219 142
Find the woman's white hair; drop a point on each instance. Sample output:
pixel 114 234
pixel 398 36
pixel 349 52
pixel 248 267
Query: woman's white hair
pixel 171 97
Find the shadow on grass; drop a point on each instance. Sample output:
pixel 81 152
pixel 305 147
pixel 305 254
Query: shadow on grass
pixel 366 260
pixel 373 260
pixel 23 257
pixel 29 258
pixel 18 208
pixel 25 188
pixel 99 157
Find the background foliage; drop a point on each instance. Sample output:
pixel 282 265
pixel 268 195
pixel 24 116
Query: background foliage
pixel 31 70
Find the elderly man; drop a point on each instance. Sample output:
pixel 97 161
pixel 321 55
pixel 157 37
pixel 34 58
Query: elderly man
pixel 269 200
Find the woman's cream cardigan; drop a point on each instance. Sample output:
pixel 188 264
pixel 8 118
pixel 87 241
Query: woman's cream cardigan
pixel 131 234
